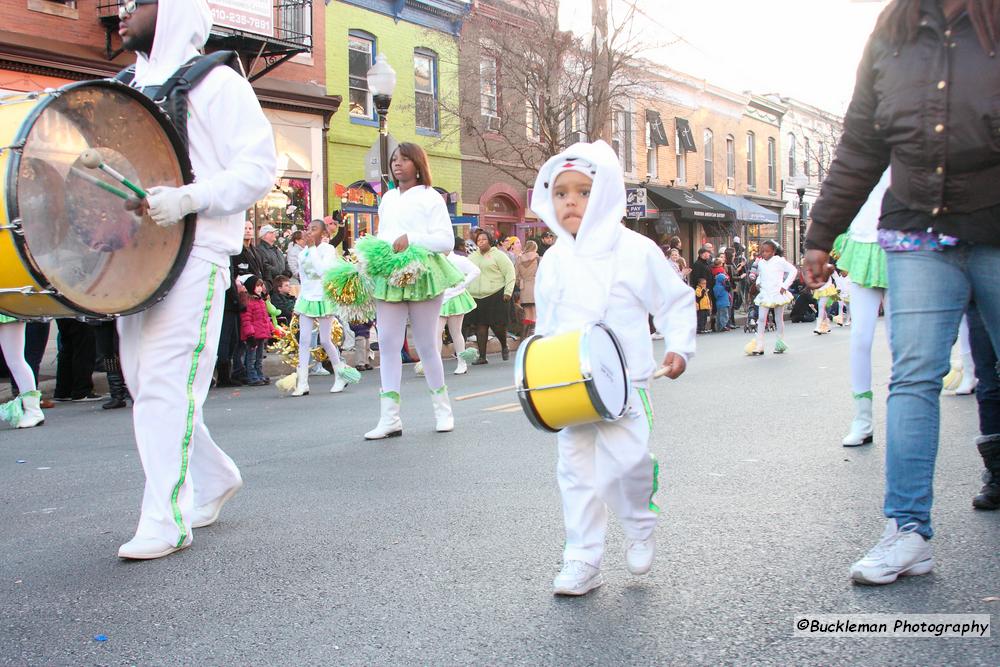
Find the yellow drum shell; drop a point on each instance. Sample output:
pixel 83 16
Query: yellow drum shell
pixel 13 271
pixel 561 360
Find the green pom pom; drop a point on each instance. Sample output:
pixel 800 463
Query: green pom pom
pixel 348 374
pixel 381 259
pixel 12 411
pixel 346 285
pixel 468 354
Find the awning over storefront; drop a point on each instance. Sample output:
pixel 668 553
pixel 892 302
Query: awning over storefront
pixel 746 210
pixel 690 205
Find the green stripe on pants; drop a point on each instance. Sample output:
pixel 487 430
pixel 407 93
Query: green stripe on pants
pixel 189 425
pixel 644 395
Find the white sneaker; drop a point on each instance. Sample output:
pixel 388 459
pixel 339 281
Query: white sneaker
pixel 148 548
pixel 639 555
pixel 318 370
pixel 577 578
pixel 462 368
pixel 207 514
pixel 901 552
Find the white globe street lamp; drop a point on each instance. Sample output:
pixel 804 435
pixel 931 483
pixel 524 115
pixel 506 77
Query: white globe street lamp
pixel 381 84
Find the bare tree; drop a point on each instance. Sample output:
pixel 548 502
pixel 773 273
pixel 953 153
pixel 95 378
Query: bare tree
pixel 529 89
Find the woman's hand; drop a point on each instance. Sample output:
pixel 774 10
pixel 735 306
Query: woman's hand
pixel 401 244
pixel 816 268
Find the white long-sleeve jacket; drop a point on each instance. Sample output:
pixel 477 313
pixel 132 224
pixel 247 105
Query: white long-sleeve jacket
pixel 470 270
pixel 231 142
pixel 608 272
pixel 419 213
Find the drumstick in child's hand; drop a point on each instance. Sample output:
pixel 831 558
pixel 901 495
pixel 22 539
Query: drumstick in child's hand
pixel 660 372
pixel 91 158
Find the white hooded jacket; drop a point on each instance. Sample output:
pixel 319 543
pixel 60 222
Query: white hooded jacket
pixel 231 142
pixel 608 272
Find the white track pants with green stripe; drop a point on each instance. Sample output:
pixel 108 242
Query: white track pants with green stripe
pixel 607 466
pixel 168 355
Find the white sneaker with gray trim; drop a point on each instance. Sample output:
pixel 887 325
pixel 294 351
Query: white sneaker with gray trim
pixel 901 552
pixel 639 555
pixel 577 578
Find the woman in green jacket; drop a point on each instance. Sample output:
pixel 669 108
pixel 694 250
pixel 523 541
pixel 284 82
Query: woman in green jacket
pixel 492 291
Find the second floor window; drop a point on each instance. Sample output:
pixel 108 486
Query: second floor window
pixel 425 90
pixel 751 161
pixel 792 167
pixel 489 91
pixel 731 162
pixel 652 170
pixel 621 137
pixel 806 171
pixel 360 58
pixel 772 164
pixel 681 159
pixel 709 150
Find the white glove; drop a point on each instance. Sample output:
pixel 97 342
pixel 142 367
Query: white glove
pixel 168 206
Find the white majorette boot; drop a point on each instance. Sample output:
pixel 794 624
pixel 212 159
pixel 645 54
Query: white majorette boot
pixel 443 417
pixel 301 385
pixel 343 376
pixel 861 428
pixel 23 411
pixel 389 424
pixel 969 381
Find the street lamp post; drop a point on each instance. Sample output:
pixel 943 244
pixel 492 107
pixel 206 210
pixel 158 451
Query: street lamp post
pixel 381 84
pixel 799 183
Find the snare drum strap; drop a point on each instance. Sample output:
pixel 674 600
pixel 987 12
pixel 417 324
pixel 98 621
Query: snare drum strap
pixel 171 96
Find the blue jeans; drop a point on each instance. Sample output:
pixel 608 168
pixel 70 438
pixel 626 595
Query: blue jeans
pixel 253 362
pixel 929 291
pixel 988 389
pixel 722 318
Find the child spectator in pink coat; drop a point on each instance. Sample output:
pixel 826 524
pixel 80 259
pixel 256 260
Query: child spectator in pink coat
pixel 255 330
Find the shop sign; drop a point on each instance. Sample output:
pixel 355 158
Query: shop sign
pixel 635 203
pixel 253 16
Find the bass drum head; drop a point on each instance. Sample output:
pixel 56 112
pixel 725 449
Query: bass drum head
pixel 604 362
pixel 78 237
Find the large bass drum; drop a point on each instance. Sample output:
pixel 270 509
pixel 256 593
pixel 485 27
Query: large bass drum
pixel 68 246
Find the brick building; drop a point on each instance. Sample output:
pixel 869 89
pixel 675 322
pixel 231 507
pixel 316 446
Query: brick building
pixel 707 157
pixel 418 39
pixel 49 43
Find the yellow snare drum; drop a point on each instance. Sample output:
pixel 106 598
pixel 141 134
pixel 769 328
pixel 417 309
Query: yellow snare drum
pixel 68 247
pixel 574 378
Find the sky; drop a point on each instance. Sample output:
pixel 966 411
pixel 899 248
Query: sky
pixel 806 49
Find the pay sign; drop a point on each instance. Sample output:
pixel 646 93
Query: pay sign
pixel 635 203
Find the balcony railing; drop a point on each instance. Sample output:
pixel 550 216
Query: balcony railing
pixel 275 39
pixel 291 21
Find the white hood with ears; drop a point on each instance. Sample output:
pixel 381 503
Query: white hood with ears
pixel 182 28
pixel 601 225
pixel 608 272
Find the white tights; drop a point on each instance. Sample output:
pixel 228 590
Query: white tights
pixel 454 323
pixel 865 302
pixel 391 322
pixel 822 309
pixel 779 322
pixel 305 342
pixel 12 345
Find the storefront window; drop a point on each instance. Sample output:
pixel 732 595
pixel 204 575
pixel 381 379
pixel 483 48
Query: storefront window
pixel 285 206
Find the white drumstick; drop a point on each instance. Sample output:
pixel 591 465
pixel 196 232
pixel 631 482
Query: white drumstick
pixel 91 159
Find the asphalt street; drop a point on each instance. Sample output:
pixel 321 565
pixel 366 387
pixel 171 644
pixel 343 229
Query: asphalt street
pixel 440 549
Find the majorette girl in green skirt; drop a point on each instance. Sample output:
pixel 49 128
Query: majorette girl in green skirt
pixel 859 254
pixel 406 270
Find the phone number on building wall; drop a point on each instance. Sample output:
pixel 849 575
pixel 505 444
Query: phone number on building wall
pixel 237 20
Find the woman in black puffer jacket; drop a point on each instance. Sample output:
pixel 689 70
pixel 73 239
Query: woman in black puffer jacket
pixel 927 101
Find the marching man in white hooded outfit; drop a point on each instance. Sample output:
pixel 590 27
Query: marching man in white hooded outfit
pixel 601 271
pixel 168 352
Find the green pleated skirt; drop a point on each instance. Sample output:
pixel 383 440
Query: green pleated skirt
pixel 439 274
pixel 864 263
pixel 458 305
